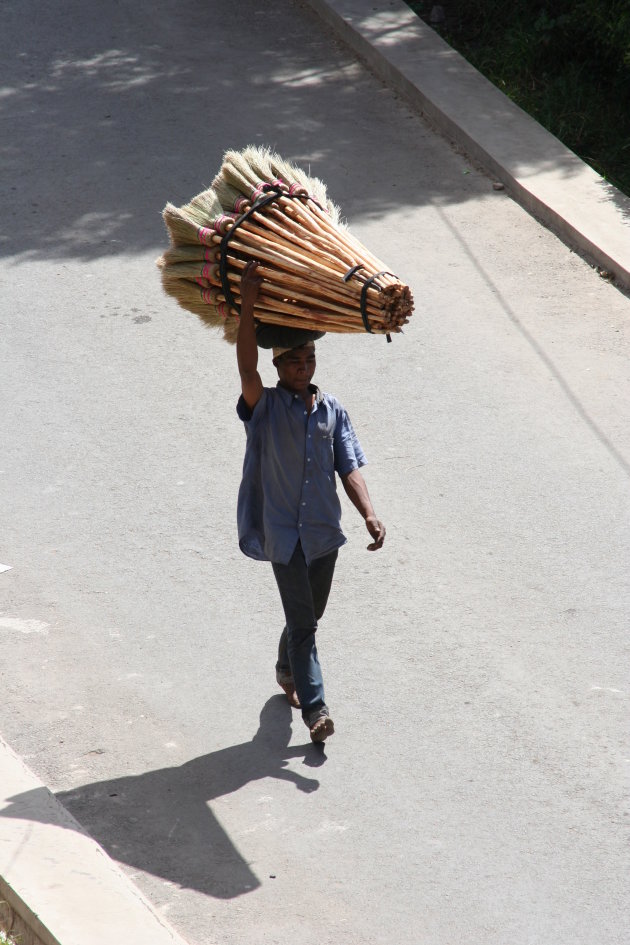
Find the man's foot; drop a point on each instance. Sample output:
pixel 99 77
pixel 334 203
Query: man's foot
pixel 286 683
pixel 319 724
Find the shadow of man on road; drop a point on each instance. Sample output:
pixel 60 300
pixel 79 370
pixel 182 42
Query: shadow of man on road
pixel 160 822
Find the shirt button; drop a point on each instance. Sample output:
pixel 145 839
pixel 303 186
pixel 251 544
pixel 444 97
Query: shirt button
pixel 300 524
pixel 309 436
pixel 303 503
pixel 306 482
pixel 305 413
pixel 308 460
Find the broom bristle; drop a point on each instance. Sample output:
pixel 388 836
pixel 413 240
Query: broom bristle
pixel 259 162
pixel 189 252
pixel 204 207
pixel 288 172
pixel 266 165
pixel 192 271
pixel 230 330
pixel 189 297
pixel 243 171
pixel 180 227
pixel 237 172
pixel 187 224
pixel 292 174
pixel 230 198
pixel 195 289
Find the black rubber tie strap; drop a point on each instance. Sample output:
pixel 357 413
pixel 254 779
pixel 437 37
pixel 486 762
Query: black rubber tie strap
pixel 364 291
pixel 351 272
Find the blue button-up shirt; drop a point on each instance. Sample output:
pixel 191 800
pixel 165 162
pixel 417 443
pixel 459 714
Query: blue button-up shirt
pixel 288 491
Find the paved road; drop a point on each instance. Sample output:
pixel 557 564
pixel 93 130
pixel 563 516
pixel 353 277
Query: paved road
pixel 475 667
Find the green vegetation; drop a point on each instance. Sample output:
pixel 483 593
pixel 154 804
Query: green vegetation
pixel 565 63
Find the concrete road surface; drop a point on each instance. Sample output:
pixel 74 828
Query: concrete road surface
pixel 475 666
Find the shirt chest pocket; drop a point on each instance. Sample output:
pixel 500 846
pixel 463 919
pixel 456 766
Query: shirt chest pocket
pixel 325 447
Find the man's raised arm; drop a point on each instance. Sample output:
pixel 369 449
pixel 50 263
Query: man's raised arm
pixel 246 347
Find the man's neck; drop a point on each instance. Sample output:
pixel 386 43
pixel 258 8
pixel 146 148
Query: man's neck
pixel 306 393
pixel 309 398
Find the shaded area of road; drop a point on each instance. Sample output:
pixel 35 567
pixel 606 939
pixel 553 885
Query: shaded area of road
pixel 122 109
pixel 134 817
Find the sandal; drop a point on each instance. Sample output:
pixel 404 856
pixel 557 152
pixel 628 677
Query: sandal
pixel 319 724
pixel 286 683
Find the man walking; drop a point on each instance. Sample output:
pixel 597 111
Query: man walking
pixel 289 513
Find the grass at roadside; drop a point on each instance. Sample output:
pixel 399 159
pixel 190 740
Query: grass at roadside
pixel 565 63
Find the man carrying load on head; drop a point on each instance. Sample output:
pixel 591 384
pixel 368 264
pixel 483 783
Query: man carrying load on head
pixel 288 508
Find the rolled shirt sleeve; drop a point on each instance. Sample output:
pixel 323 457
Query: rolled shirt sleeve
pixel 348 452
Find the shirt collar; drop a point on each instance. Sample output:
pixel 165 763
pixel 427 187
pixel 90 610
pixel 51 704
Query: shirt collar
pixel 288 397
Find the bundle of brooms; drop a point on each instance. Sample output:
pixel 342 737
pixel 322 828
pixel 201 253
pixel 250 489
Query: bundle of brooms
pixel 317 277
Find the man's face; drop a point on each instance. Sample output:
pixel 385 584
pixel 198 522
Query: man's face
pixel 296 368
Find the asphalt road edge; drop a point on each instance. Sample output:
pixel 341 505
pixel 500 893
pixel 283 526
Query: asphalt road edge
pixel 537 170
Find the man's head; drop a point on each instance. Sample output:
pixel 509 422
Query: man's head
pixel 295 366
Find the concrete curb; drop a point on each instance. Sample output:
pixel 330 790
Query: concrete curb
pixel 539 172
pixel 57 885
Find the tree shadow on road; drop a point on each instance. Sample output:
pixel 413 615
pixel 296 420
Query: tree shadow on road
pixel 111 116
pixel 160 822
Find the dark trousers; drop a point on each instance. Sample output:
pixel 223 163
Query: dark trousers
pixel 304 591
